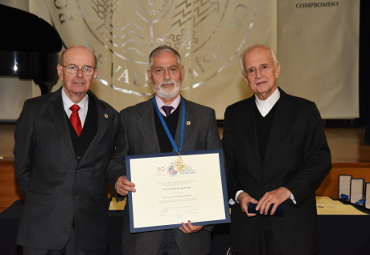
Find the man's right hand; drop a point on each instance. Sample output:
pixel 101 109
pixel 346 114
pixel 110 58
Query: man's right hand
pixel 123 186
pixel 244 199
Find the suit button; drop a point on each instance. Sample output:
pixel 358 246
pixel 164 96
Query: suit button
pixel 77 197
pixel 78 157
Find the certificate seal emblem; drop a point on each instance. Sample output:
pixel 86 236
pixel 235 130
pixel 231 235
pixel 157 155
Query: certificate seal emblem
pixel 179 164
pixel 171 170
pixel 208 35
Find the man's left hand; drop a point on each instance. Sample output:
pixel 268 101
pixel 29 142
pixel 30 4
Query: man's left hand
pixel 275 198
pixel 189 228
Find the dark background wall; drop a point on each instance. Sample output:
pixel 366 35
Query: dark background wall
pixel 364 88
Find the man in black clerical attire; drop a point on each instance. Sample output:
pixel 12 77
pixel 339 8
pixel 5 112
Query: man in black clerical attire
pixel 276 157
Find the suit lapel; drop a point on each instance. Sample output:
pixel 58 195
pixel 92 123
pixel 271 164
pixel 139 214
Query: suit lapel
pixel 145 120
pixel 58 115
pixel 249 126
pixel 281 119
pixel 188 114
pixel 102 124
pixel 189 125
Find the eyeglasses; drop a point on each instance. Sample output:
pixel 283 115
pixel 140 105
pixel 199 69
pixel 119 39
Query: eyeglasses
pixel 73 69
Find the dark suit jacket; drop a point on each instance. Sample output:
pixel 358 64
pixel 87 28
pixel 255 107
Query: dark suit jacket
pixel 138 136
pixel 297 157
pixel 58 187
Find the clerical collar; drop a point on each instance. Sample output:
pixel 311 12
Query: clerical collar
pixel 264 106
pixel 175 103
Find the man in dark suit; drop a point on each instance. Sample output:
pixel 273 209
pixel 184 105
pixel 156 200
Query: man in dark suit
pixel 276 155
pixel 61 164
pixel 143 133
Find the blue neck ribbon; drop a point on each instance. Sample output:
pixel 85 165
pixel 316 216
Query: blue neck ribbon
pixel 178 150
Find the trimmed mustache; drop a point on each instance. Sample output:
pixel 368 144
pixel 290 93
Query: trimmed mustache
pixel 164 82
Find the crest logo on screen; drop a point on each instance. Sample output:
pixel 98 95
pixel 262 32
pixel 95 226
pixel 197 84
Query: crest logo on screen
pixel 208 34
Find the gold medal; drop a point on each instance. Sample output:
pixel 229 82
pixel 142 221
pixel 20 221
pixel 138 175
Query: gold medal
pixel 179 164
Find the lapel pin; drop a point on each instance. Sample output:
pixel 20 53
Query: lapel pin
pixel 106 116
pixel 188 123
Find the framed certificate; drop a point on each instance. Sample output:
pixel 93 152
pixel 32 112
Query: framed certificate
pixel 167 195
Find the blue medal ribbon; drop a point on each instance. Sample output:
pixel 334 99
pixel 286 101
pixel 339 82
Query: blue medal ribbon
pixel 178 150
pixel 344 197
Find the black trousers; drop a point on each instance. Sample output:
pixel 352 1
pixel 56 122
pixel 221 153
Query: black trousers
pixel 168 244
pixel 266 244
pixel 71 248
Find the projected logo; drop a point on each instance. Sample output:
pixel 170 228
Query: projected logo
pixel 209 34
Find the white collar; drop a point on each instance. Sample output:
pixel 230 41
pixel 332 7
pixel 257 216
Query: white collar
pixel 265 106
pixel 83 104
pixel 175 103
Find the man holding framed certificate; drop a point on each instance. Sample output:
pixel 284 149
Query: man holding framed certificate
pixel 165 124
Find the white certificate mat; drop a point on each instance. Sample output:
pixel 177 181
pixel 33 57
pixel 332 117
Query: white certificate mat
pixel 165 198
pixel 344 187
pixel 367 195
pixel 357 190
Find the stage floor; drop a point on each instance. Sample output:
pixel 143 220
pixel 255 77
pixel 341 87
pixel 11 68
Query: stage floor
pixel 346 144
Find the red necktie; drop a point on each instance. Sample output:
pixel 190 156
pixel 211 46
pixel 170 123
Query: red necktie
pixel 75 119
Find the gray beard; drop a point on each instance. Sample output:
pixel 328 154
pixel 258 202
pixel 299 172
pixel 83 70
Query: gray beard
pixel 166 95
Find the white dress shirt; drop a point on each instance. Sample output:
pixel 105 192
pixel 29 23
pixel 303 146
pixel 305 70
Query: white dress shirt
pixel 175 103
pixel 83 104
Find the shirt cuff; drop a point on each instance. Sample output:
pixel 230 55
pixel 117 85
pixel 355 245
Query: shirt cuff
pixel 292 198
pixel 235 200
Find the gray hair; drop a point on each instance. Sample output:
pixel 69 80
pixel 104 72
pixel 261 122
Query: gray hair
pixel 241 59
pixel 163 48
